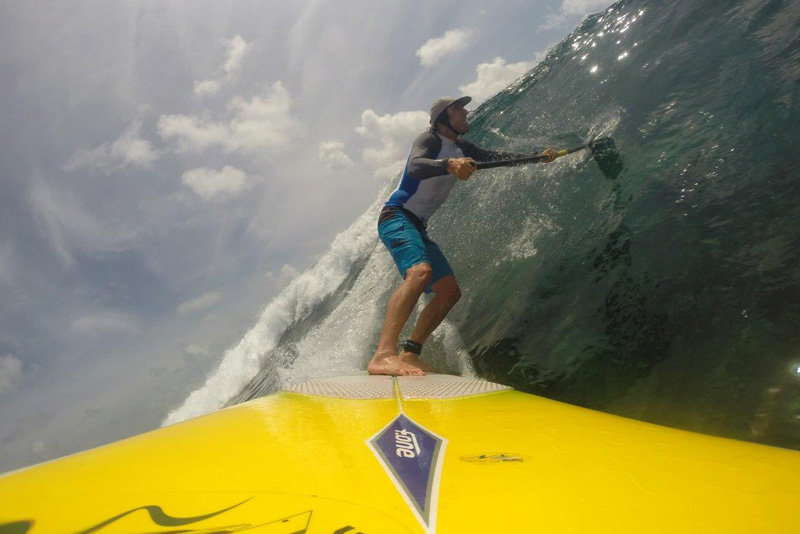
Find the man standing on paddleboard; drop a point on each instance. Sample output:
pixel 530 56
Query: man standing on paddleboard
pixel 439 157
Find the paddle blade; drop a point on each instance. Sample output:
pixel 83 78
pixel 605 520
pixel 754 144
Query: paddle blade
pixel 604 153
pixel 602 143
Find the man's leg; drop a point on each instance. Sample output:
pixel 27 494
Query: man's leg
pixel 446 294
pixel 385 360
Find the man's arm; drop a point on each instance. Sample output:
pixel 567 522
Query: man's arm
pixel 421 162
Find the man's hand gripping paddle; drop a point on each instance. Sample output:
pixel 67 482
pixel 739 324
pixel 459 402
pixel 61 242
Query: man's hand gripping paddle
pixel 603 152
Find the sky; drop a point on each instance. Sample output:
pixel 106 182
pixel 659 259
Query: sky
pixel 169 166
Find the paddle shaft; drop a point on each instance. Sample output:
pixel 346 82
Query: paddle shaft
pixel 523 161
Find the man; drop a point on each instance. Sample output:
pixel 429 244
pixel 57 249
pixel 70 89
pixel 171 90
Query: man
pixel 438 158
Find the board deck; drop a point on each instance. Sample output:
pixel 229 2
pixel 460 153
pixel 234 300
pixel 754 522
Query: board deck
pixel 433 454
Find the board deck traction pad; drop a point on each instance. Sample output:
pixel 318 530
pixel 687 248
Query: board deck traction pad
pixel 431 386
pixel 410 454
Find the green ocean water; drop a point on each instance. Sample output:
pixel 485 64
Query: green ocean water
pixel 667 289
pixel 661 283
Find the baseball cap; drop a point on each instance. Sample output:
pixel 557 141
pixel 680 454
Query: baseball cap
pixel 441 104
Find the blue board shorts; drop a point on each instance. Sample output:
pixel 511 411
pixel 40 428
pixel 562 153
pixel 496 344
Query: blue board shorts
pixel 410 245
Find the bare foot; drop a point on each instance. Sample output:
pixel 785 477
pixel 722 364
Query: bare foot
pixel 392 365
pixel 412 359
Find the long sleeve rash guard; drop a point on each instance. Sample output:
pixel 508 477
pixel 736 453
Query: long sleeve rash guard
pixel 425 183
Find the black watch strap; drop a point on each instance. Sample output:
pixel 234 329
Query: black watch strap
pixel 413 347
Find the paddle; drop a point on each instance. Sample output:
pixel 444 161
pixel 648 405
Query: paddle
pixel 599 148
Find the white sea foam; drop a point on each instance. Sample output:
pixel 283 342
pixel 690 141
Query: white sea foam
pixel 456 355
pixel 343 342
pixel 242 362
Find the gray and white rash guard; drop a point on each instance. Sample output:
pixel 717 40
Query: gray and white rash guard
pixel 425 183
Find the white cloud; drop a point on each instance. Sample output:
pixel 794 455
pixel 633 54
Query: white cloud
pixel 571 9
pixel 495 76
pixel 583 7
pixel 283 277
pixel 210 184
pixel 207 87
pixel 10 373
pixel 332 154
pixel 263 123
pixel 105 323
pixel 195 350
pixel 395 134
pixel 129 150
pixel 203 302
pixel 236 50
pixel 193 133
pixel 435 49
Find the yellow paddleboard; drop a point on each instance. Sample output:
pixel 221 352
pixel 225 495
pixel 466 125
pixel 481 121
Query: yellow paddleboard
pixel 382 455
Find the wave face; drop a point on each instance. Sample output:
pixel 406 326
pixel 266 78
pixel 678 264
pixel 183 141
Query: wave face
pixel 660 283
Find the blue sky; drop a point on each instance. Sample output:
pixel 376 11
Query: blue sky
pixel 169 166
